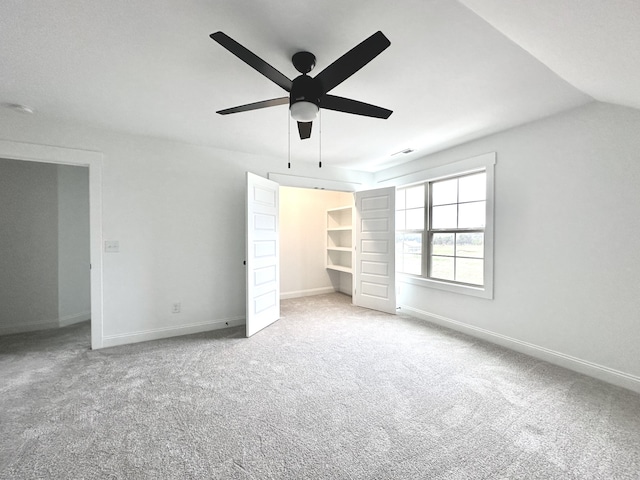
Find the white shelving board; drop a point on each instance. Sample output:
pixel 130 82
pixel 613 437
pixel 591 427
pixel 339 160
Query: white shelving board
pixel 339 255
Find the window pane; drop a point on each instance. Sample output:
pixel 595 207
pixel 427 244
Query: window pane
pixel 415 219
pixel 400 195
pixel 470 270
pixel 472 215
pixel 473 187
pixel 444 192
pixel 442 268
pixel 400 222
pixel 415 197
pixel 470 245
pixel 442 244
pixel 444 217
pixel 412 243
pixel 399 264
pixel 409 253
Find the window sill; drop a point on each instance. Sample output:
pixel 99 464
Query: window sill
pixel 481 292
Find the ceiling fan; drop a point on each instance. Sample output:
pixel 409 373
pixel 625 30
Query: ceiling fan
pixel 308 94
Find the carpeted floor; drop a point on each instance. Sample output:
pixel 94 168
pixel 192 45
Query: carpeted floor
pixel 330 391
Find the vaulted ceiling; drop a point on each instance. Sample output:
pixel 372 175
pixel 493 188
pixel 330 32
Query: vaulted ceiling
pixel 455 70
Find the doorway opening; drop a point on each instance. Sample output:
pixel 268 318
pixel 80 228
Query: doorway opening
pixel 303 242
pixel 61 234
pixel 44 256
pixel 358 245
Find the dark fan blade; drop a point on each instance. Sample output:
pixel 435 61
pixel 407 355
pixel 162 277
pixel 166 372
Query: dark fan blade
pixel 304 129
pixel 352 61
pixel 255 106
pixel 340 104
pixel 252 60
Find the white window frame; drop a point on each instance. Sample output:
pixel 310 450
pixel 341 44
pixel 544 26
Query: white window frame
pixel 480 163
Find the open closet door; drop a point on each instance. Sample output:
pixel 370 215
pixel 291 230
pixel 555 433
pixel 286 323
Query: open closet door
pixel 375 269
pixel 263 253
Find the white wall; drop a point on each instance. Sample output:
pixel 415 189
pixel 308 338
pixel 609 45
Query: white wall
pixel 303 226
pixel 74 283
pixel 28 246
pixel 567 198
pixel 567 224
pixel 177 211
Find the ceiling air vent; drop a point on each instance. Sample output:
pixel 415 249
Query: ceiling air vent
pixel 405 151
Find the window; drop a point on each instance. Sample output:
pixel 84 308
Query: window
pixel 444 235
pixel 410 221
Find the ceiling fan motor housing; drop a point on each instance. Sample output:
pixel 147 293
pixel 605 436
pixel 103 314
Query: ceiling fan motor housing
pixel 305 89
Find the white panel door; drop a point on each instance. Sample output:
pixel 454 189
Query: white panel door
pixel 375 278
pixel 263 253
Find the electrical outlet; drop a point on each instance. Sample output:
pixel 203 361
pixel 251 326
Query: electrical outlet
pixel 175 308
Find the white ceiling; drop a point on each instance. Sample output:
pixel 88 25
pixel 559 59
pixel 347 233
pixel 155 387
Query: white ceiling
pixel 593 44
pixel 451 74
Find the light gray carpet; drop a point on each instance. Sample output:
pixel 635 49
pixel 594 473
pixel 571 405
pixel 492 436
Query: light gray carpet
pixel 330 391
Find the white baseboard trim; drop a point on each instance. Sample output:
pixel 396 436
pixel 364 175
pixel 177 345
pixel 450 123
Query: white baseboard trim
pixel 606 374
pixel 71 319
pixel 306 293
pixel 166 332
pixel 28 327
pixel 45 324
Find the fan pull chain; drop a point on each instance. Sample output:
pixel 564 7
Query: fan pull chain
pixel 289 137
pixel 319 138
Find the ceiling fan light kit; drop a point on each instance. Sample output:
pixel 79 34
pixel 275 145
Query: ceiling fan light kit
pixel 304 111
pixel 307 95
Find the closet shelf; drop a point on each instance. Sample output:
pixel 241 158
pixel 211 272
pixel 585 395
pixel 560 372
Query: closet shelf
pixel 340 239
pixel 340 209
pixel 339 268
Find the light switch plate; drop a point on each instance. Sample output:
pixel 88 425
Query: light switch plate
pixel 111 246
